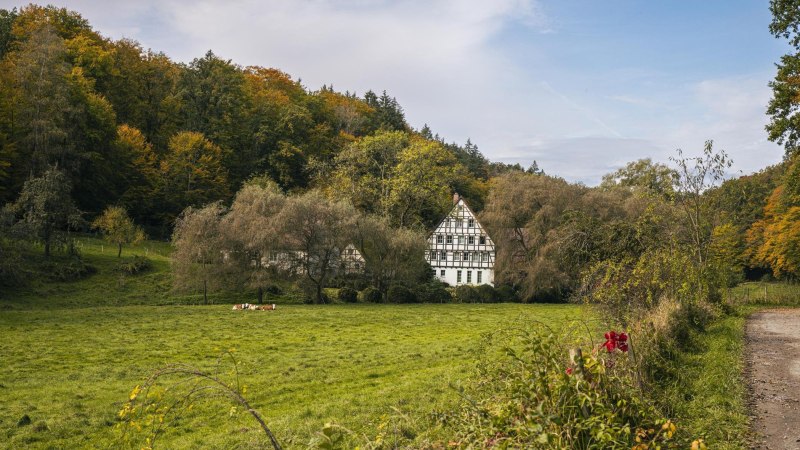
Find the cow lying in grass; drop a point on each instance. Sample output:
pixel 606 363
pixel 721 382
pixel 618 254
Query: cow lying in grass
pixel 252 307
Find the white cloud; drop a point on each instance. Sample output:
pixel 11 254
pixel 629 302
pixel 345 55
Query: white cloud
pixel 448 64
pixel 732 112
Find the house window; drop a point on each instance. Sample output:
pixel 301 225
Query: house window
pixel 441 273
pixel 439 239
pixel 478 277
pixel 449 238
pixel 466 256
pixel 456 256
pixel 471 223
pixel 469 276
pixel 459 223
pixel 471 240
pixel 482 240
pixel 434 256
pixel 458 276
pixel 484 257
pixel 461 240
pixel 444 256
pixel 273 256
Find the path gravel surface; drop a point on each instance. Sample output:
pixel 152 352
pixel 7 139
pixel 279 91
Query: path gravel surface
pixel 773 372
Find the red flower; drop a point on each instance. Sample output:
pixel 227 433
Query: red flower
pixel 614 341
pixel 569 370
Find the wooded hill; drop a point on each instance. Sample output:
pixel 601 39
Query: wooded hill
pixel 131 127
pixel 87 123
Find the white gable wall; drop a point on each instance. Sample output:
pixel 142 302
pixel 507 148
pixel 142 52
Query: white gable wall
pixel 460 251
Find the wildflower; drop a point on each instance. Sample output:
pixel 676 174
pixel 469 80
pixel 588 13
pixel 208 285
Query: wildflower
pixel 669 429
pixel 135 392
pixel 616 341
pixel 569 370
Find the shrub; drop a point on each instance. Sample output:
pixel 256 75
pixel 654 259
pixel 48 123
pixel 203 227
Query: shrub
pixel 347 295
pixel 505 294
pixel 527 394
pixel 466 294
pixel 71 269
pixel 370 295
pixel 273 289
pixel 400 294
pixel 433 292
pixel 11 265
pixel 136 265
pixel 486 294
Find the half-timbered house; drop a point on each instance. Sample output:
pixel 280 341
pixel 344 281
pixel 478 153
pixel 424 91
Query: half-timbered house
pixel 460 250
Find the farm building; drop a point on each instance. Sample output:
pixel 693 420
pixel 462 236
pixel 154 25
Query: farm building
pixel 459 249
pixel 349 261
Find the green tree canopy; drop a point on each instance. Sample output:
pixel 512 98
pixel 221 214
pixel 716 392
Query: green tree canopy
pixel 117 228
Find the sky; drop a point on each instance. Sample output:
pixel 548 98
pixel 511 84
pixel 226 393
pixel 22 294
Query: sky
pixel 580 86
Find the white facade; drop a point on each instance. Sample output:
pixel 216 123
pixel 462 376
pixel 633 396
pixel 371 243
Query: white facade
pixel 350 261
pixel 459 249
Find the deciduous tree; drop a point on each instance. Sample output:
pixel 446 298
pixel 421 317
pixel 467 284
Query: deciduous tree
pixel 198 261
pixel 118 228
pixel 317 231
pixel 254 234
pixel 46 208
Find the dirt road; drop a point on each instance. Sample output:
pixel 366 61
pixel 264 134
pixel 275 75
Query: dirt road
pixel 773 354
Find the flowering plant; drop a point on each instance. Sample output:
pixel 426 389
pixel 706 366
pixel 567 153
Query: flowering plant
pixel 616 341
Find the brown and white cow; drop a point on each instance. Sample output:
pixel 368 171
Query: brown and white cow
pixel 252 307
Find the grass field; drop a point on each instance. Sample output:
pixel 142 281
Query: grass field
pixel 71 370
pixel 110 287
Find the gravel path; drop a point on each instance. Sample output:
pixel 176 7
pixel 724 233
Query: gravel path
pixel 773 366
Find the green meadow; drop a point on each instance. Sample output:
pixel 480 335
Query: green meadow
pixel 70 366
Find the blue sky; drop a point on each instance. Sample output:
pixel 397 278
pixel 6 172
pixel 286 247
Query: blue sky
pixel 581 86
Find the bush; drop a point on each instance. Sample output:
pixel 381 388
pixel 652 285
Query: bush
pixel 70 269
pixel 433 292
pixel 536 398
pixel 273 289
pixel 11 265
pixel 370 295
pixel 134 266
pixel 400 294
pixel 466 294
pixel 347 295
pixel 486 293
pixel 505 294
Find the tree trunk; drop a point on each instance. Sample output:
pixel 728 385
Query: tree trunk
pixel 260 295
pixel 205 291
pixel 319 294
pixel 47 235
pixel 119 251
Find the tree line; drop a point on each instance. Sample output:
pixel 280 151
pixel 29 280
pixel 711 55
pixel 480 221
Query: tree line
pixel 104 134
pixel 132 128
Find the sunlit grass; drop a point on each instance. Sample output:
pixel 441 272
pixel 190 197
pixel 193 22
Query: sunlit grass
pixel 70 370
pixel 710 398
